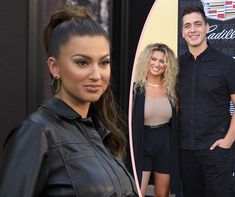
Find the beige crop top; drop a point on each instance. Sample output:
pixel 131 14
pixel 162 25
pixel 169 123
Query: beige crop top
pixel 157 111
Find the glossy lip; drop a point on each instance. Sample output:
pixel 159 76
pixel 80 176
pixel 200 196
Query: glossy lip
pixel 156 69
pixel 93 87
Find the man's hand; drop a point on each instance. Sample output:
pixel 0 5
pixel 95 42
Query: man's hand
pixel 223 143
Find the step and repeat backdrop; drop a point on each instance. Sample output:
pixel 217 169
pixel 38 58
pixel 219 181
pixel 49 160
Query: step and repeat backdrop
pixel 221 18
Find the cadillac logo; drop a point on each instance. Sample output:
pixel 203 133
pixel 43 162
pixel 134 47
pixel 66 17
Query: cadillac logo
pixel 219 9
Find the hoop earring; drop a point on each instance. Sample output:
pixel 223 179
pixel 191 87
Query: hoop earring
pixel 55 84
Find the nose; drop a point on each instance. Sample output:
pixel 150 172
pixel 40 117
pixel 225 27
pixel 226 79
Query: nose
pixel 95 72
pixel 192 28
pixel 158 62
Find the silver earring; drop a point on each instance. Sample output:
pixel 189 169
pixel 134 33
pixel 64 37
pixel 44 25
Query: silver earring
pixel 55 84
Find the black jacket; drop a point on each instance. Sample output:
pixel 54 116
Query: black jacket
pixel 138 137
pixel 55 152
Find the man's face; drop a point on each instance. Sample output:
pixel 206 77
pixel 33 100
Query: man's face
pixel 194 30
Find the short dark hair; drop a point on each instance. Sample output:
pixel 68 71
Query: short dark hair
pixel 191 9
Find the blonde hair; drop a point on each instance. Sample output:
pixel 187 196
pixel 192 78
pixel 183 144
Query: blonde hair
pixel 169 76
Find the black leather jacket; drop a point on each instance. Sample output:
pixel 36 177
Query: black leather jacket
pixel 56 153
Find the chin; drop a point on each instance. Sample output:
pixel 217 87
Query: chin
pixel 94 99
pixel 157 73
pixel 195 44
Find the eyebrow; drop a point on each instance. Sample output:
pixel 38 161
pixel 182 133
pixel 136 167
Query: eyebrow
pixel 193 22
pixel 89 58
pixel 157 58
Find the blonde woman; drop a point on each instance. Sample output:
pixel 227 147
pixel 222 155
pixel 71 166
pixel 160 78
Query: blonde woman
pixel 154 119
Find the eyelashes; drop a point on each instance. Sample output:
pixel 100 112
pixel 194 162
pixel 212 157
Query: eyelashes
pixel 86 63
pixel 160 61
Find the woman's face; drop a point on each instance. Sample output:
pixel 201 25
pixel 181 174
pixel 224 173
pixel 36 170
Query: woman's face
pixel 156 63
pixel 83 67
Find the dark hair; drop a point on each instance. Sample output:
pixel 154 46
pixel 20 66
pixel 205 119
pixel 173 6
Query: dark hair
pixel 66 22
pixel 71 21
pixel 108 111
pixel 191 9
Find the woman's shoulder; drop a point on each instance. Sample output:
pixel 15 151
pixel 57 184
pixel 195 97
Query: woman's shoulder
pixel 138 89
pixel 35 123
pixel 42 118
pixel 26 131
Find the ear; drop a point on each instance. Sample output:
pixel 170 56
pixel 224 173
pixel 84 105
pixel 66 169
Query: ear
pixel 207 28
pixel 182 31
pixel 53 66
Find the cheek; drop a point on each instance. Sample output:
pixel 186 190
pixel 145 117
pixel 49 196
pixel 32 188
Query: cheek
pixel 185 33
pixel 149 67
pixel 205 32
pixel 163 67
pixel 73 78
pixel 77 76
pixel 151 62
pixel 106 75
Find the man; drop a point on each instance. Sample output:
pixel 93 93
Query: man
pixel 207 130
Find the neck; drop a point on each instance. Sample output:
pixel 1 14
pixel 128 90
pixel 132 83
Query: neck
pixel 154 81
pixel 153 85
pixel 80 107
pixel 196 51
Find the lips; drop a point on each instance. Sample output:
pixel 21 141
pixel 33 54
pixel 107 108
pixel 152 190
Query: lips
pixel 156 68
pixel 93 87
pixel 194 37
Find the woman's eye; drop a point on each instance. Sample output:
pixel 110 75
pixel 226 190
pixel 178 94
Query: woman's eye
pixel 162 61
pixel 105 63
pixel 81 63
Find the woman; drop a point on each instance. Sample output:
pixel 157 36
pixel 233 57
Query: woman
pixel 154 123
pixel 72 145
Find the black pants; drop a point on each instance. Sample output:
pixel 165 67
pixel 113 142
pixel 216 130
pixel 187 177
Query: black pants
pixel 207 173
